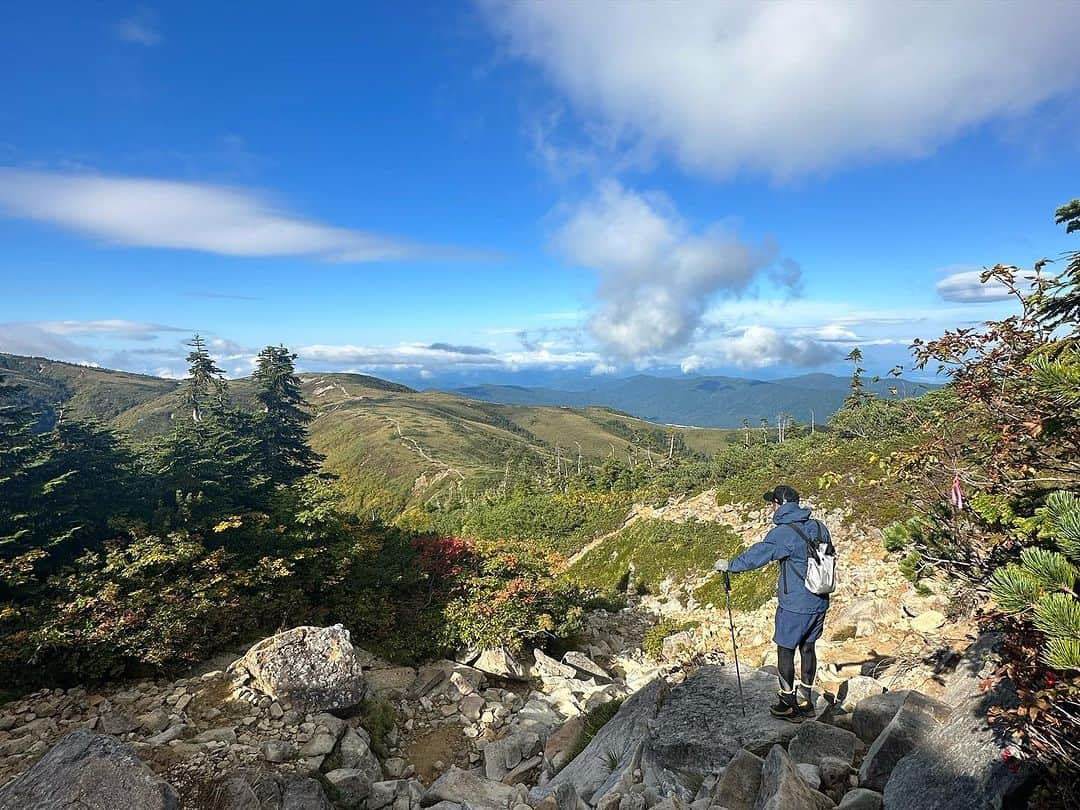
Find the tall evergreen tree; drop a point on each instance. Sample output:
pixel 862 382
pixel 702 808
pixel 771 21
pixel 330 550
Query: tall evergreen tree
pixel 205 387
pixel 857 394
pixel 283 417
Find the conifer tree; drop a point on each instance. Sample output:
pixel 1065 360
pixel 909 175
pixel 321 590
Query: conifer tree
pixel 282 421
pixel 857 394
pixel 205 387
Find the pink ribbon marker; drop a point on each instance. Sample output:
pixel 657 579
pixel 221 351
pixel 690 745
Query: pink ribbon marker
pixel 956 494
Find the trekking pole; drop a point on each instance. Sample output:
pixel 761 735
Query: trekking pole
pixel 734 646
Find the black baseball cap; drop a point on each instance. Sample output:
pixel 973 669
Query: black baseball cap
pixel 782 494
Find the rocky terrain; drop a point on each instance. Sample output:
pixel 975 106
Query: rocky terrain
pixel 308 719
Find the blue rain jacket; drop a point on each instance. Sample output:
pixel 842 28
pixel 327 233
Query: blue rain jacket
pixel 783 544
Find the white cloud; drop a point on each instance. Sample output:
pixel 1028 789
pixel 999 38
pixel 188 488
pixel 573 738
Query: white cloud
pixel 417 356
pixel 143 212
pixel 790 87
pixel 141 29
pixel 656 275
pixel 762 346
pixel 967 287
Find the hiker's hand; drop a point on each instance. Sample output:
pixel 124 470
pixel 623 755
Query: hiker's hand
pixel 722 564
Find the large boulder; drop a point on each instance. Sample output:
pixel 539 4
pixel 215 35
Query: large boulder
pixel 959 765
pixel 499 662
pixel 873 713
pixel 91 772
pixel 457 785
pixel 701 727
pixel 312 668
pixel 784 788
pixel 917 717
pixel 617 743
pixel 505 754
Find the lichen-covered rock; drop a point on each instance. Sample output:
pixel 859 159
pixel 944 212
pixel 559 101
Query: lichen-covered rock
pixel 312 668
pixel 959 764
pixel 701 727
pixel 91 772
pixel 591 772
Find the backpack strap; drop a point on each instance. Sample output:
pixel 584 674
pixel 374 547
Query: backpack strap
pixel 811 545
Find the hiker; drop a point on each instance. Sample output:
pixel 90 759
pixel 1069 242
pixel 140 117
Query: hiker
pixel 800 617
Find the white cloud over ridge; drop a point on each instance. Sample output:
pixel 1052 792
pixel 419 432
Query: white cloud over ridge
pixel 657 275
pixel 790 87
pixel 967 287
pixel 141 212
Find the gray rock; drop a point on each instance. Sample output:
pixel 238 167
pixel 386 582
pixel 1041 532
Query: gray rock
pixel 586 667
pixel 390 681
pixel 236 794
pixel 834 776
pixel 873 713
pixel 977 663
pixel 860 799
pixel 350 787
pixel 314 668
pixel 353 751
pixel 701 727
pixel 548 667
pixel 811 773
pixel 169 734
pixel 387 793
pixel 278 750
pixel 959 765
pixel 318 746
pixel 92 772
pixel 115 723
pixel 226 734
pixel 305 794
pixel 784 788
pixel 815 741
pixel 504 755
pixel 855 689
pixel 620 737
pixel 461 786
pixel 154 722
pixel 499 662
pixel 739 784
pixel 912 724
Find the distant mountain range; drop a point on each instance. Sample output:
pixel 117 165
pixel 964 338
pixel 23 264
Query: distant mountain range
pixel 700 401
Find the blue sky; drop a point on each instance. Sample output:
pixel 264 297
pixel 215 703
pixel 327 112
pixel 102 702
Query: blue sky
pixel 502 191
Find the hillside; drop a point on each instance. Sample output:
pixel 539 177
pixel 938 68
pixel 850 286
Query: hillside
pixel 704 401
pixel 391 446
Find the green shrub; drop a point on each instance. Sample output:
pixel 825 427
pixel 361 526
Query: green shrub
pixel 653 641
pixel 593 720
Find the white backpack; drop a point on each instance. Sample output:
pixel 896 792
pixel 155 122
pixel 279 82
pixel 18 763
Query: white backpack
pixel 820 564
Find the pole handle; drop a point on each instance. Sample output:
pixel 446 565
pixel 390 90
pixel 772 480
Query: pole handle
pixel 727 581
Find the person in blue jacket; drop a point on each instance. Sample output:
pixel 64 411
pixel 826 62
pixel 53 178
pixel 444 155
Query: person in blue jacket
pixel 800 616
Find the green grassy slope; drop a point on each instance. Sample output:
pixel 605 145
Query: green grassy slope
pixel 391 446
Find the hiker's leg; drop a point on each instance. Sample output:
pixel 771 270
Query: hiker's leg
pixel 785 664
pixel 807 671
pixel 787 706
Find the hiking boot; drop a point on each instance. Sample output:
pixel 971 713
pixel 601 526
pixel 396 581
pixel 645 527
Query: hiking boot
pixel 804 703
pixel 787 708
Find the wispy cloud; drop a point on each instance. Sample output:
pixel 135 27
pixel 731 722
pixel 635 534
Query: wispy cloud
pixel 116 327
pixel 790 87
pixel 143 212
pixel 140 28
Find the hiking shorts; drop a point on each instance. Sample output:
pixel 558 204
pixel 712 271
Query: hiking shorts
pixel 795 629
